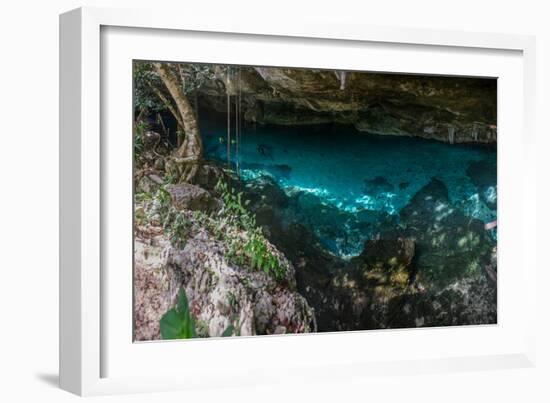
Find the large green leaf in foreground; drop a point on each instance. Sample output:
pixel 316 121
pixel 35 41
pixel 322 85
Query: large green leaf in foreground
pixel 178 323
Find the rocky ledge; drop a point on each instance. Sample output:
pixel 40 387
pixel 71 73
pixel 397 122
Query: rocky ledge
pixel 220 292
pixel 450 109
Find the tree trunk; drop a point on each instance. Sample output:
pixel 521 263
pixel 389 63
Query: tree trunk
pixel 191 148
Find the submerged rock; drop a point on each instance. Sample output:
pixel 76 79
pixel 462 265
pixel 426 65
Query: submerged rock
pixel 265 151
pixel 389 255
pixel 469 301
pixel 421 270
pixel 279 170
pixel 450 245
pixel 428 199
pixel 483 175
pixel 377 185
pixel 282 170
pixel 404 185
pixel 364 288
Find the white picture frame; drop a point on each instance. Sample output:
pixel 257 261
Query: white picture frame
pixel 94 346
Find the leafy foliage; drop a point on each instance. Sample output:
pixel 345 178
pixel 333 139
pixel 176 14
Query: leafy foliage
pixel 179 229
pixel 139 130
pixel 178 323
pixel 261 257
pixel 145 79
pixel 192 77
pixel 229 331
pixel 254 249
pixel 175 223
pixel 162 204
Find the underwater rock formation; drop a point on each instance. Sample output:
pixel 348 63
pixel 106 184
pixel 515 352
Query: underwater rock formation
pixel 426 269
pixel 482 174
pixel 382 272
pixel 450 245
pixel 457 110
pixel 377 185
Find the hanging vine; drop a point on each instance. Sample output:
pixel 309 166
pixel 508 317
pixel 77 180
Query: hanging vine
pixel 228 116
pixel 237 119
pixel 233 89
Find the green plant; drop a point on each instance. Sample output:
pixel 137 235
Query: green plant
pixel 162 203
pixel 178 230
pixel 145 82
pixel 229 331
pixel 175 223
pixel 140 217
pixel 143 196
pixel 254 249
pixel 164 197
pixel 231 299
pixel 234 207
pixel 140 128
pixel 178 323
pixel 261 258
pixel 171 178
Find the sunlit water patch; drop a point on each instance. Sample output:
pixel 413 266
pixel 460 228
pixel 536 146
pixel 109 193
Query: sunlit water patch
pixel 354 172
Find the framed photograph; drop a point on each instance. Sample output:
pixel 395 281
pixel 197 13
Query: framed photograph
pixel 301 201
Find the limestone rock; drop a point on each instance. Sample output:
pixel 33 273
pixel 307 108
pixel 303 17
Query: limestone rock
pixel 222 294
pixel 191 197
pixel 455 110
pixel 149 183
pixel 155 287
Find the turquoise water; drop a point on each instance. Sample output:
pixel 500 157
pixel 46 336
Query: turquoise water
pixel 352 172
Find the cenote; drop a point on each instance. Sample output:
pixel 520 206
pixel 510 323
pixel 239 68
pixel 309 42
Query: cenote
pixel 285 200
pixel 345 184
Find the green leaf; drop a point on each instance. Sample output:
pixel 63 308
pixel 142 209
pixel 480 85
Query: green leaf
pixel 178 323
pixel 183 303
pixel 171 325
pixel 229 331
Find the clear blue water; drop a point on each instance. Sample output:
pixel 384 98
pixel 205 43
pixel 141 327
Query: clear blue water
pixel 354 172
